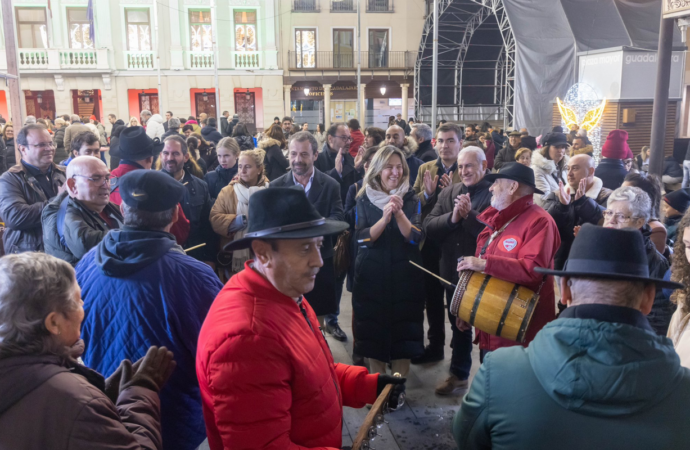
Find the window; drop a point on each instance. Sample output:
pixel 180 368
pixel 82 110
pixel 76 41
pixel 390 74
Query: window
pixel 138 30
pixel 245 31
pixel 32 29
pixel 200 30
pixel 305 47
pixel 79 28
pixel 343 49
pixel 378 48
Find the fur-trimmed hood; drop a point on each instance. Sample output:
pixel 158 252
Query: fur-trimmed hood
pixel 583 151
pixel 268 142
pixel 409 148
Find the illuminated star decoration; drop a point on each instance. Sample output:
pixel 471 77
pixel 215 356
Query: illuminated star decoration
pixel 582 101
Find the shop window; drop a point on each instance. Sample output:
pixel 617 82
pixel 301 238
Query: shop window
pixel 245 31
pixel 138 30
pixel 32 29
pixel 305 47
pixel 79 28
pixel 200 30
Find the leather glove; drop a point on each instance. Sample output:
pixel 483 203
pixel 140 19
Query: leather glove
pixel 154 370
pixel 398 388
pixel 112 383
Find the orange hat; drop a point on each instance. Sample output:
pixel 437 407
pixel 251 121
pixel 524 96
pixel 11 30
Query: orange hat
pixel 92 117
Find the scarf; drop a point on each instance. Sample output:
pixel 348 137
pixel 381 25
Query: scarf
pixel 239 257
pixel 380 198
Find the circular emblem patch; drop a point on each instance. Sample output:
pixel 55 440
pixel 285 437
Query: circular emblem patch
pixel 510 244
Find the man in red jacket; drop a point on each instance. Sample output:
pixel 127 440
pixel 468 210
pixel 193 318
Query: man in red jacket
pixel 518 237
pixel 136 151
pixel 266 374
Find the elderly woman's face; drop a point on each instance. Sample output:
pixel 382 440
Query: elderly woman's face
pixel 620 216
pixel 66 327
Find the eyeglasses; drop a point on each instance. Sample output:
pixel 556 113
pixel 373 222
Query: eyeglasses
pixel 43 145
pixel 608 214
pixel 98 180
pixel 346 138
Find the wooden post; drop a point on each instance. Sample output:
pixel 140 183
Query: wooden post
pixel 663 79
pixel 16 115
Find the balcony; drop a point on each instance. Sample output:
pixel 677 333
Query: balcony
pixel 380 6
pixel 305 6
pixel 343 6
pixel 140 60
pixel 62 59
pixel 246 60
pixel 199 59
pixel 348 61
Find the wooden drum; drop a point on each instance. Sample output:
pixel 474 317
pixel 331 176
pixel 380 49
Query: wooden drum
pixel 495 306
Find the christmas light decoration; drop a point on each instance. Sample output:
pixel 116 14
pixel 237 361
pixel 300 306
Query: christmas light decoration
pixel 581 101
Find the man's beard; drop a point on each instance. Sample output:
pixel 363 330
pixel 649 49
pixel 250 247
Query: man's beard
pixel 500 202
pixel 173 167
pixel 300 169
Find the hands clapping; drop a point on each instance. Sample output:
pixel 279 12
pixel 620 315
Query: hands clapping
pixel 463 206
pixel 393 208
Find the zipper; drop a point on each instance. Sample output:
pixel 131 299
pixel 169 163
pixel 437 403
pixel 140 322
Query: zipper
pixel 335 384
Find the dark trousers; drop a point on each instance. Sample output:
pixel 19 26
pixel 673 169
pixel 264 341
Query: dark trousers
pixel 435 309
pixel 461 360
pixel 332 319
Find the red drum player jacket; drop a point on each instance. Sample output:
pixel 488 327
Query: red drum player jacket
pixel 530 240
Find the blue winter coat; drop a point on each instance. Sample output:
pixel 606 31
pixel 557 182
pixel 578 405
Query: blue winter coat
pixel 582 383
pixel 140 289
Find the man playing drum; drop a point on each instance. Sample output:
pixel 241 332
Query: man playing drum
pixel 518 237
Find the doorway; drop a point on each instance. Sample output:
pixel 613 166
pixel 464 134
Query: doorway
pixel 148 102
pixel 205 103
pixel 40 104
pixel 87 103
pixel 245 107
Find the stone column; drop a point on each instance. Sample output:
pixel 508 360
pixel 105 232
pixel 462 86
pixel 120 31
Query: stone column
pixel 286 94
pixel 404 100
pixel 327 106
pixel 363 106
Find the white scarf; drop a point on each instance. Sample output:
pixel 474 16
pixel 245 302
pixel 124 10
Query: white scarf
pixel 239 257
pixel 380 198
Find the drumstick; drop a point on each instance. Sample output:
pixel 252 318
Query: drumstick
pixel 194 248
pixel 432 274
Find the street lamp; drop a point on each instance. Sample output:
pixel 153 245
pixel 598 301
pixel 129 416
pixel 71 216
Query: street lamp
pixel 39 98
pixel 383 90
pixel 204 96
pixel 248 95
pixel 306 91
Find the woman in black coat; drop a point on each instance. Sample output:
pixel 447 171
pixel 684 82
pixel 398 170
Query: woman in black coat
pixel 273 144
pixel 243 138
pixel 8 139
pixel 118 127
pixel 388 292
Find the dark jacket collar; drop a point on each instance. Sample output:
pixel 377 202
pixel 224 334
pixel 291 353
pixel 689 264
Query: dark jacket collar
pixel 608 313
pixel 35 171
pixel 483 185
pixel 442 170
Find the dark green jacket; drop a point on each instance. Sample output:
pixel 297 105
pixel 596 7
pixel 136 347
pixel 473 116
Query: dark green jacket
pixel 581 384
pixel 82 229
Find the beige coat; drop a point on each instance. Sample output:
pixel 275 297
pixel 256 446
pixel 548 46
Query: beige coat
pixel 432 167
pixel 224 211
pixel 679 333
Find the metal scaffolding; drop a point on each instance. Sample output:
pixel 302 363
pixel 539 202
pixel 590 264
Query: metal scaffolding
pixel 476 62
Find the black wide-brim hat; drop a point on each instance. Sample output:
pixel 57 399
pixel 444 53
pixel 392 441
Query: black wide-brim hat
pixel 284 213
pixel 516 172
pixel 135 145
pixel 608 253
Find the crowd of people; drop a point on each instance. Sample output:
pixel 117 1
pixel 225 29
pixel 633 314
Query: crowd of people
pixel 167 280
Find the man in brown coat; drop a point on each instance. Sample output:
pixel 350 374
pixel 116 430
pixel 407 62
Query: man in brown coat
pixel 76 127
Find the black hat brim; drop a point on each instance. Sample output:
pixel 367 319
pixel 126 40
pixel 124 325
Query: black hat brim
pixel 610 276
pixel 495 176
pixel 329 228
pixel 157 148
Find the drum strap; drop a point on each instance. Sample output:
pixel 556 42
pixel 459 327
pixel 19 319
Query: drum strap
pixel 494 235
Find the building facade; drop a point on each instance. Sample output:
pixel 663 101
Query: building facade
pixel 269 51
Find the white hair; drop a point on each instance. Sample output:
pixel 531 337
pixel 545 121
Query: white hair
pixel 476 151
pixel 423 131
pixel 640 204
pixel 610 292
